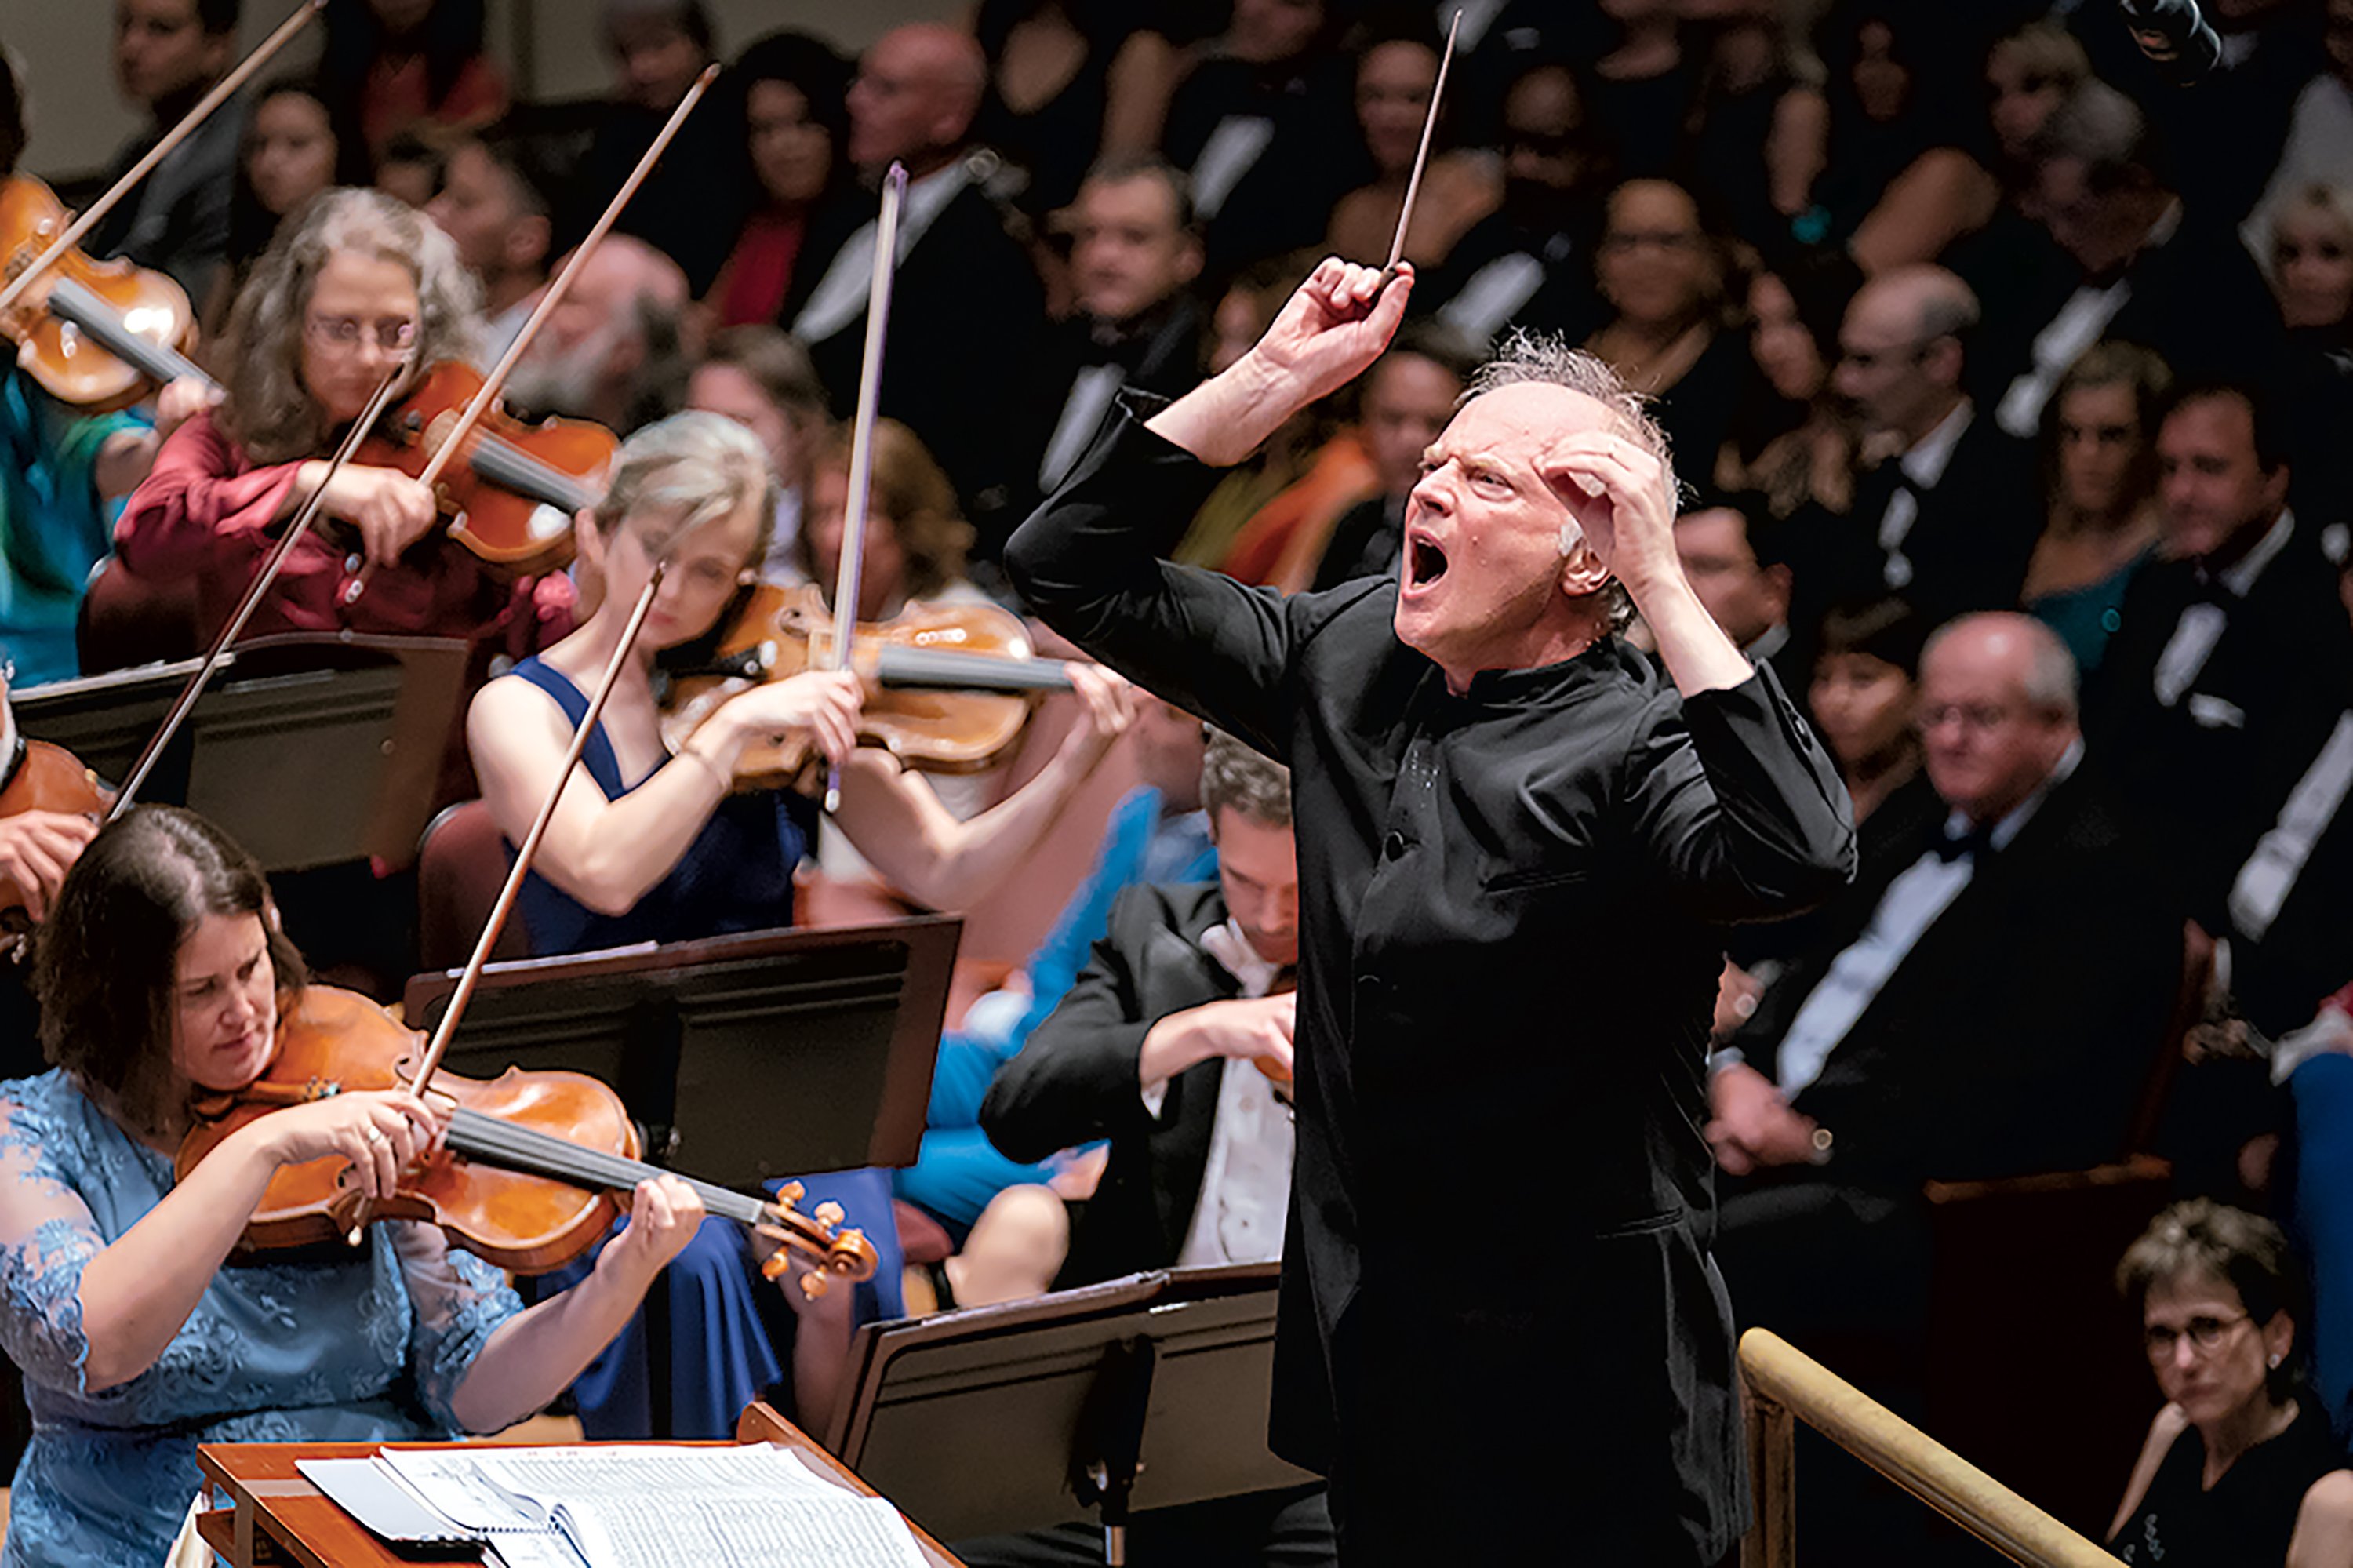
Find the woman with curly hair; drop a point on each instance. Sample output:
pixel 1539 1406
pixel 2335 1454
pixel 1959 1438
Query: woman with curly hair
pixel 354 282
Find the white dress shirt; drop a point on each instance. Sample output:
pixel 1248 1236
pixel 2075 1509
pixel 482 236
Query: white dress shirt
pixel 1923 468
pixel 2201 625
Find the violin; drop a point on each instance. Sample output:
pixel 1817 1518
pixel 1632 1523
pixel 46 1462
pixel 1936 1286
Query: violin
pixel 94 336
pixel 40 777
pixel 951 686
pixel 512 498
pixel 527 1174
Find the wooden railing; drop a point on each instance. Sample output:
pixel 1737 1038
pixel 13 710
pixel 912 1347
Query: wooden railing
pixel 1785 1385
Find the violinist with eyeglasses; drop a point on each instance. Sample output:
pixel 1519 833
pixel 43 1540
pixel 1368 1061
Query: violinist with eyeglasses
pixel 163 975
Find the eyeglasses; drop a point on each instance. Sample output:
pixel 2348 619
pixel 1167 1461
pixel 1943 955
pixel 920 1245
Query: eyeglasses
pixel 393 334
pixel 2206 1333
pixel 1979 717
pixel 1866 359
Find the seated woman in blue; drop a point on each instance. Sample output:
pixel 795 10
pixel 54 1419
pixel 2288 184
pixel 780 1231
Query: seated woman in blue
pixel 663 850
pixel 161 971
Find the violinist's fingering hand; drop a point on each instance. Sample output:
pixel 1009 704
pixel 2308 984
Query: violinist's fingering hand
pixel 37 849
pixel 181 400
pixel 664 1214
pixel 1109 703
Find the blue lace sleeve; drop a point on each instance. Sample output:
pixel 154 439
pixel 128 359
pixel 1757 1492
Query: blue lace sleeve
pixel 460 1302
pixel 47 1236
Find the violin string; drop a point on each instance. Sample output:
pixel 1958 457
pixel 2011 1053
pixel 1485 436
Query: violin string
pixel 503 464
pixel 476 1133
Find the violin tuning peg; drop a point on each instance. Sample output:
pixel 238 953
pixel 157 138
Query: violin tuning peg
pixel 790 1193
pixel 814 1284
pixel 829 1214
pixel 774 1265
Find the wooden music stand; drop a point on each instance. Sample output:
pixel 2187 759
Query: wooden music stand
pixel 747 1058
pixel 276 1516
pixel 308 750
pixel 1149 1392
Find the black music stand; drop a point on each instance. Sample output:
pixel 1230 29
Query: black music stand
pixel 744 1058
pixel 1149 1392
pixel 310 751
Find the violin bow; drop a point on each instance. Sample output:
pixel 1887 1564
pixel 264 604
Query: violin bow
pixel 454 441
pixel 139 171
pixel 836 655
pixel 268 575
pixel 1421 156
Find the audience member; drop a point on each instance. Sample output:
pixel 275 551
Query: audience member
pixel 2311 270
pixel 1905 173
pixel 2149 268
pixel 2240 1467
pixel 1070 81
pixel 761 377
pixel 2211 674
pixel 1858 1076
pixel 1947 517
pixel 291 153
pixel 1395 79
pixel 1758 127
pixel 398 65
pixel 1134 254
pixel 2100 513
pixel 792 89
pixel 410 168
pixel 1661 273
pixel 1409 393
pixel 338 300
pixel 915 543
pixel 1175 1045
pixel 1643 82
pixel 2319 146
pixel 167 55
pixel 1529 263
pixel 1795 438
pixel 1730 549
pixel 1863 698
pixel 496 205
pixel 959 374
pixel 1263 127
pixel 692 204
pixel 615 348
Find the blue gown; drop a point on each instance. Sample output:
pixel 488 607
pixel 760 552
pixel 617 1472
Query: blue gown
pixel 730 1330
pixel 364 1348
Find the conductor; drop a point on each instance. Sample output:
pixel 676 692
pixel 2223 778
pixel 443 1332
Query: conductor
pixel 1501 1334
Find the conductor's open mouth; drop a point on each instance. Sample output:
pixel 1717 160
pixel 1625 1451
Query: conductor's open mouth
pixel 1426 563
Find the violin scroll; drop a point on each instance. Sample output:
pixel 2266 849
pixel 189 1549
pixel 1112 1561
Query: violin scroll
pixel 832 1253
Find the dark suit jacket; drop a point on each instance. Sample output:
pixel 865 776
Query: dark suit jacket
pixel 1075 1081
pixel 957 365
pixel 1969 544
pixel 2017 1033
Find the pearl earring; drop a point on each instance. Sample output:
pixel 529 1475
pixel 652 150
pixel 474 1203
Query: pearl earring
pixel 2276 1362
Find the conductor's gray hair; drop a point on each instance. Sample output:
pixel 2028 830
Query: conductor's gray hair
pixel 1546 359
pixel 687 469
pixel 2051 682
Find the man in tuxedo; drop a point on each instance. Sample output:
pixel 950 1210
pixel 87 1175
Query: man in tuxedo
pixel 2217 689
pixel 1947 519
pixel 1987 1004
pixel 1133 255
pixel 1516 844
pixel 2152 269
pixel 966 307
pixel 1732 549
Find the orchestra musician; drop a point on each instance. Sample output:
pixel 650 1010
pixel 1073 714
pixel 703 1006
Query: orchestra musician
pixel 161 974
pixel 663 847
pixel 1516 846
pixel 355 283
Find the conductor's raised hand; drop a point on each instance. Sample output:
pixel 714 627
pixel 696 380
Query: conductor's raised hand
pixel 1333 327
pixel 1622 498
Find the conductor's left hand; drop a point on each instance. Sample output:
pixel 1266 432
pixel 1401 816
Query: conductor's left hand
pixel 664 1214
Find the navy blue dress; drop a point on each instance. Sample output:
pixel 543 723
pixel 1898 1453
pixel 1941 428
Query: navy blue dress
pixel 730 1333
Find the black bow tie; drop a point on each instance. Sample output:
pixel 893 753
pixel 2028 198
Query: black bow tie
pixel 1976 841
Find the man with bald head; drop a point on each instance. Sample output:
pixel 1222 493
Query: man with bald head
pixel 614 348
pixel 965 306
pixel 1515 842
pixel 1986 1000
pixel 1948 516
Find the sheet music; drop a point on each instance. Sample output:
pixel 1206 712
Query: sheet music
pixel 842 1529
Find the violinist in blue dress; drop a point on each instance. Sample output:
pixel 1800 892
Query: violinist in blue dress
pixel 663 848
pixel 162 975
